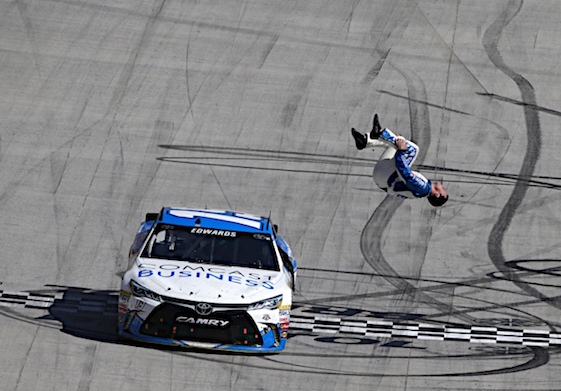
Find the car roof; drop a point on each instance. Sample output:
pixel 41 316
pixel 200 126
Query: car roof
pixel 216 219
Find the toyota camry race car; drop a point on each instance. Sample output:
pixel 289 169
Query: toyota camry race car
pixel 208 279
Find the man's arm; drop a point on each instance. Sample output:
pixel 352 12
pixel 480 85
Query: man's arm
pixel 418 184
pixel 403 157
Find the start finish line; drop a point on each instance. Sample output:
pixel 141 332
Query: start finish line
pixel 424 331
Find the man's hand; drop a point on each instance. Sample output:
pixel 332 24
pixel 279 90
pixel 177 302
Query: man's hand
pixel 401 144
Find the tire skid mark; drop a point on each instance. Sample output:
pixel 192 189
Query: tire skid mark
pixel 533 131
pixel 545 110
pixel 290 108
pixel 395 24
pixel 30 32
pixel 86 377
pixel 252 159
pixel 214 79
pixel 375 70
pixel 539 357
pixel 349 19
pixel 27 355
pixel 453 55
pixel 437 286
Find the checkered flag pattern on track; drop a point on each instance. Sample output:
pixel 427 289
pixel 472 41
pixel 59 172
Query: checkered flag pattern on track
pixel 28 299
pixel 424 331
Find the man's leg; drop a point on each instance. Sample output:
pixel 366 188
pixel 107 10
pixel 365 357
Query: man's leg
pixel 388 138
pixel 379 137
pixel 385 138
pixel 360 139
pixel 385 168
pixel 371 138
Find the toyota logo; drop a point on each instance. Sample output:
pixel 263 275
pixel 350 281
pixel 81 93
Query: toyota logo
pixel 203 309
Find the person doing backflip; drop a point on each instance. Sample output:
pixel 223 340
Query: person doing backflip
pixel 393 172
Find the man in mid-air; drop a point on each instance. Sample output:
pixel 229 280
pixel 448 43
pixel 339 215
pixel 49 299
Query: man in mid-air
pixel 393 172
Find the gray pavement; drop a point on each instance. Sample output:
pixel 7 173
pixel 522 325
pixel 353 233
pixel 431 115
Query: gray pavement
pixel 110 110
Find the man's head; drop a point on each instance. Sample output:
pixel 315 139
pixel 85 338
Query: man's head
pixel 438 195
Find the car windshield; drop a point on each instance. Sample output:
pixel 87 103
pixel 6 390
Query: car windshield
pixel 213 246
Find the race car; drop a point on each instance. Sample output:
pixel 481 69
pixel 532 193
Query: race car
pixel 210 279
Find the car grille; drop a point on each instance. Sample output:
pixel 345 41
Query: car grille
pixel 178 322
pixel 191 304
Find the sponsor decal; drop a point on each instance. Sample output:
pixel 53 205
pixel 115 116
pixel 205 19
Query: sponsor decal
pixel 284 319
pixel 202 321
pixel 203 269
pixel 123 303
pixel 215 232
pixel 138 305
pixel 266 317
pixel 122 308
pixel 209 273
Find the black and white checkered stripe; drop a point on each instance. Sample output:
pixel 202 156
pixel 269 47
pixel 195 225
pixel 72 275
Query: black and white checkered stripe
pixel 103 305
pixel 391 329
pixel 68 301
pixel 317 324
pixel 28 299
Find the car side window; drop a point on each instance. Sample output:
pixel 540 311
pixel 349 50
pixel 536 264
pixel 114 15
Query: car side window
pixel 286 261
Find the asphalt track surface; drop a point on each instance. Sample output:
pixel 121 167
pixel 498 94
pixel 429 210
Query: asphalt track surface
pixel 111 109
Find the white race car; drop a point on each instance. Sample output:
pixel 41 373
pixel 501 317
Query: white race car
pixel 208 279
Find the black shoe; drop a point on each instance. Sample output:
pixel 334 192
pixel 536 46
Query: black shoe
pixel 376 128
pixel 360 139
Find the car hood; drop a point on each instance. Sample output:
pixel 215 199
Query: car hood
pixel 202 282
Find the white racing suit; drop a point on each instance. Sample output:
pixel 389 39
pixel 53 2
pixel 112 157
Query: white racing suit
pixel 393 172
